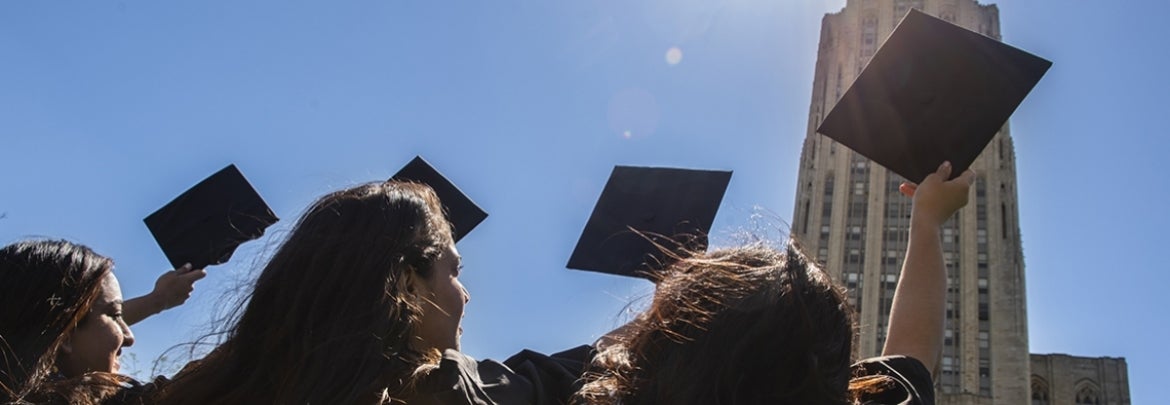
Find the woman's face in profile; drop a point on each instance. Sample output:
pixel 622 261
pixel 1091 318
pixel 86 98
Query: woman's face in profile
pixel 97 342
pixel 444 300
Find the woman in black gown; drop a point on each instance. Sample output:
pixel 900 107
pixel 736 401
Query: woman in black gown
pixel 362 304
pixel 61 326
pixel 757 325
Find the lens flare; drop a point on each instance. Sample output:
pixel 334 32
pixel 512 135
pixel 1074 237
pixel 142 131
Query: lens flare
pixel 673 56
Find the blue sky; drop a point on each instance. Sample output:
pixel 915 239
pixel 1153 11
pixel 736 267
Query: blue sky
pixel 110 109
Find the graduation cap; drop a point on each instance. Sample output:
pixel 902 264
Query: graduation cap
pixel 463 214
pixel 673 207
pixel 933 92
pixel 204 225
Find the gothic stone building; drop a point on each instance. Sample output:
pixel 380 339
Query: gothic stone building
pixel 1063 379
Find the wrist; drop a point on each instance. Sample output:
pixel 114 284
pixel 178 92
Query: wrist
pixel 155 302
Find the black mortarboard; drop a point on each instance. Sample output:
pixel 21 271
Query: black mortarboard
pixel 933 92
pixel 463 214
pixel 204 225
pixel 673 207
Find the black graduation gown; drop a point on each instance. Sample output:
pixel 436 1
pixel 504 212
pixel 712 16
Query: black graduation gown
pixel 912 382
pixel 527 378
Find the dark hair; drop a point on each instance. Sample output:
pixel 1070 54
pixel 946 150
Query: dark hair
pixel 48 288
pixel 332 315
pixel 746 325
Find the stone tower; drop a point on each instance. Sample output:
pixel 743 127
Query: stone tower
pixel 850 214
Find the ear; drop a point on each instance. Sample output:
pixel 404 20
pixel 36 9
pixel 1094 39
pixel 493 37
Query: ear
pixel 406 281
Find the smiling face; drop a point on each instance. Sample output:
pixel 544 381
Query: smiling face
pixel 98 340
pixel 444 300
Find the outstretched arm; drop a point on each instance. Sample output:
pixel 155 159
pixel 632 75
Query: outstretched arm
pixel 170 290
pixel 917 316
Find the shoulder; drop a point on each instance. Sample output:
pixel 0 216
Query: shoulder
pixel 92 388
pixel 133 392
pixel 897 380
pixel 544 379
pixel 456 380
pixel 525 378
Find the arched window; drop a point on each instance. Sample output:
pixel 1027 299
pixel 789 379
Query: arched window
pixel 1087 395
pixel 1039 391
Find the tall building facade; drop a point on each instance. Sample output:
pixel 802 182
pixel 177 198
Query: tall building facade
pixel 850 214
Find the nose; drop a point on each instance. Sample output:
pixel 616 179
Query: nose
pixel 466 294
pixel 127 336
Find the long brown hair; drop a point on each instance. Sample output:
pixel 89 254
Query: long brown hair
pixel 332 315
pixel 747 325
pixel 47 287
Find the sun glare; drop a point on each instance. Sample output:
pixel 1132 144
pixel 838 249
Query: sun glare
pixel 673 56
